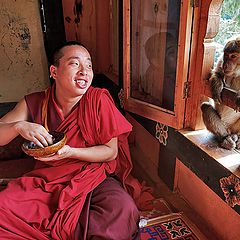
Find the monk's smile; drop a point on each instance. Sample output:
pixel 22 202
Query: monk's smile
pixel 81 83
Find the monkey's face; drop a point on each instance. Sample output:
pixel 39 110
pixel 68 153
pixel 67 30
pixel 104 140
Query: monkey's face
pixel 231 63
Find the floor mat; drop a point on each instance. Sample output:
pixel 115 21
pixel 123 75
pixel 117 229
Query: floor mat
pixel 173 226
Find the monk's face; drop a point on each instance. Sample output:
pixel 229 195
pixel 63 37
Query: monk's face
pixel 74 74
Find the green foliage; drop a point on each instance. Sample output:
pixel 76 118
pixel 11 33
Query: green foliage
pixel 229 24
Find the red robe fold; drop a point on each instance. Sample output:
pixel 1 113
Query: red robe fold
pixel 46 202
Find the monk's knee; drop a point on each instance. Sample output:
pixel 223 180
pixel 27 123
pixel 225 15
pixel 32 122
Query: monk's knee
pixel 126 206
pixel 114 214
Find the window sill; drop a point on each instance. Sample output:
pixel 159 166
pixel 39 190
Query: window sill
pixel 200 152
pixel 230 159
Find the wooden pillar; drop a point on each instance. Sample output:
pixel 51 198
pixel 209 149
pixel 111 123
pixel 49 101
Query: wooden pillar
pixel 205 28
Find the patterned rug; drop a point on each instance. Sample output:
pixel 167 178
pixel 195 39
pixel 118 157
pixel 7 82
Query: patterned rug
pixel 172 226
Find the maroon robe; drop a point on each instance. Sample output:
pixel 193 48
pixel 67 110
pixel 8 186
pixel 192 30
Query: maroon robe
pixel 46 203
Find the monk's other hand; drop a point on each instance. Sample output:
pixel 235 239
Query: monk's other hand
pixel 64 152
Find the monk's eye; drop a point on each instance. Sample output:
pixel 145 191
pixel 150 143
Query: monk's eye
pixel 74 63
pixel 89 65
pixel 233 56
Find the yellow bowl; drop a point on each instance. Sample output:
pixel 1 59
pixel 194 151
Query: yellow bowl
pixel 31 149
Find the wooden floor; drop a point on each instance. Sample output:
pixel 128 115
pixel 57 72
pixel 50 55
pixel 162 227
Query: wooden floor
pixel 177 203
pixel 174 200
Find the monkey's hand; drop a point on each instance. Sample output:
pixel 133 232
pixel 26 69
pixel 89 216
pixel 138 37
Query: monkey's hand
pixel 216 83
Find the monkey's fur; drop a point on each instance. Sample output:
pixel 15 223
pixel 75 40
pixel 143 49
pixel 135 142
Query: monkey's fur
pixel 223 121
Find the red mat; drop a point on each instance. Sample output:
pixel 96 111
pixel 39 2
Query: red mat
pixel 173 226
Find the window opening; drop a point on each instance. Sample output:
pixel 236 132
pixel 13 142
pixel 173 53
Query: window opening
pixel 229 25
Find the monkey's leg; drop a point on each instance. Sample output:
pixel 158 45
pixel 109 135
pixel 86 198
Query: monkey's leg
pixel 212 121
pixel 215 125
pixel 235 128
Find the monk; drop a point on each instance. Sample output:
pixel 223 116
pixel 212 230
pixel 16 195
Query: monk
pixel 81 191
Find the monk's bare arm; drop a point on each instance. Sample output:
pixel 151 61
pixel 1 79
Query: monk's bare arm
pixel 99 153
pixel 16 122
pixel 8 123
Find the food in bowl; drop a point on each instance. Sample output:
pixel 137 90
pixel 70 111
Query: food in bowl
pixel 31 149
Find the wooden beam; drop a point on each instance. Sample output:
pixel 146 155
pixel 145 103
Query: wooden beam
pixel 202 155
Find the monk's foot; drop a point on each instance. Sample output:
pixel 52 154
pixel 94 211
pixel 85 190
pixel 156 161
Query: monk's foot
pixel 230 142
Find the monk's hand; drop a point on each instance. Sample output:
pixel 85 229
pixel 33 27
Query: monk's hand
pixel 34 132
pixel 64 152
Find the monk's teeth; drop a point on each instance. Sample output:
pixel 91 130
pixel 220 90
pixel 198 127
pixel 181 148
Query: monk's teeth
pixel 81 83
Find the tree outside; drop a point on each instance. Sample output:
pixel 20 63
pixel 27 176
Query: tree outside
pixel 229 25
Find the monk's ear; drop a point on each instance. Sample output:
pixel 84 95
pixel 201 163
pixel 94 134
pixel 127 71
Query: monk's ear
pixel 53 72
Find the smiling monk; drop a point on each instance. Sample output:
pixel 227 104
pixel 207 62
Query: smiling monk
pixel 80 192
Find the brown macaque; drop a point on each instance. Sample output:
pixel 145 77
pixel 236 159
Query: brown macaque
pixel 221 120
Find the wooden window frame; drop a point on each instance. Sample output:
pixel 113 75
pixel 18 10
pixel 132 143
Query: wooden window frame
pixel 174 118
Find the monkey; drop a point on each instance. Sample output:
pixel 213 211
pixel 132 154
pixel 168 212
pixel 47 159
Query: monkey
pixel 219 119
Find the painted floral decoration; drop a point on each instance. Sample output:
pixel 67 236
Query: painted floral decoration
pixel 162 133
pixel 231 189
pixel 121 98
